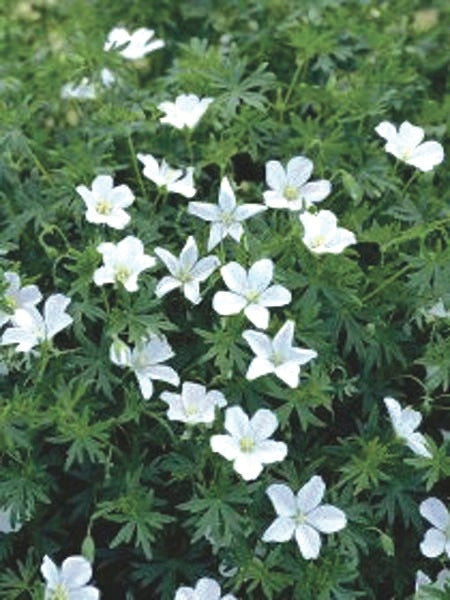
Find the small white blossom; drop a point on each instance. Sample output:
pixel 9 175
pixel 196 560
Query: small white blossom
pixel 438 311
pixel 186 272
pixel 248 444
pixel 303 516
pixel 122 263
pixel 322 235
pixel 226 217
pixel 437 539
pixel 15 297
pixel 405 421
pixel 70 581
pixel 175 180
pixel 442 580
pixel 186 111
pixel 85 90
pixel 146 359
pixel 30 328
pixel 251 292
pixel 105 203
pixel 132 45
pixel 277 355
pixel 405 144
pixel 205 589
pixel 194 404
pixel 6 524
pixel 289 188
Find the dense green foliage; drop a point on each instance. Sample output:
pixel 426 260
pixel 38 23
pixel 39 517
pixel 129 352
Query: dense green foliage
pixel 90 466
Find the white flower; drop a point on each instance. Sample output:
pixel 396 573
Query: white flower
pixel 289 188
pixel 107 77
pixel 194 404
pixel 277 356
pixel 105 203
pixel 15 297
pixel 438 311
pixel 250 292
pixel 405 421
pixel 303 516
pixel 186 111
pixel 145 360
pixel 138 44
pixel 322 235
pixel 186 272
pixel 175 180
pixel 437 539
pixel 225 216
pixel 122 263
pixel 442 579
pixel 248 443
pixel 85 90
pixel 70 581
pixel 205 589
pixel 405 144
pixel 31 328
pixel 6 525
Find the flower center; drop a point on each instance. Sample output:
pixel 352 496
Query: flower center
pixel 122 274
pixel 60 593
pixel 191 411
pixel 103 207
pixel 10 304
pixel 251 296
pixel 227 218
pixel 318 241
pixel 278 359
pixel 299 518
pixel 290 192
pixel 185 276
pixel 246 444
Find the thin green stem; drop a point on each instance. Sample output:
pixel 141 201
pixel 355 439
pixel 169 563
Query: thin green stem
pixel 135 165
pixel 386 282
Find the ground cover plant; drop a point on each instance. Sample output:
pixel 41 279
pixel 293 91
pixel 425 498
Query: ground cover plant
pixel 224 300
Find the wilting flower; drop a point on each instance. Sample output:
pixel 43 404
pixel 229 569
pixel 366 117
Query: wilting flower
pixel 6 523
pixel 251 292
pixel 122 263
pixel 194 404
pixel 30 328
pixel 226 217
pixel 205 589
pixel 289 188
pixel 442 580
pixel 69 582
pixel 186 272
pixel 277 355
pixel 303 516
pixel 146 359
pixel 132 45
pixel 175 180
pixel 322 235
pixel 85 90
pixel 405 144
pixel 105 203
pixel 15 297
pixel 186 111
pixel 405 421
pixel 248 443
pixel 437 538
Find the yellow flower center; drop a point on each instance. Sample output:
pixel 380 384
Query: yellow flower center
pixel 227 219
pixel 10 304
pixel 103 207
pixel 247 444
pixel 191 411
pixel 122 274
pixel 185 276
pixel 60 593
pixel 299 518
pixel 290 192
pixel 278 359
pixel 251 296
pixel 317 241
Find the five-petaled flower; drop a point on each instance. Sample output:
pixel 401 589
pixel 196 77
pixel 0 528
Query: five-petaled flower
pixel 174 180
pixel 289 188
pixel 437 538
pixel 146 359
pixel 15 297
pixel 405 144
pixel 250 292
pixel 132 45
pixel 30 328
pixel 122 263
pixel 405 421
pixel 186 111
pixel 186 272
pixel 303 516
pixel 322 235
pixel 194 404
pixel 226 217
pixel 248 443
pixel 105 203
pixel 70 581
pixel 277 355
pixel 205 589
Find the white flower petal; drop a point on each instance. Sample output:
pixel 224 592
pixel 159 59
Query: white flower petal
pixel 245 211
pixel 275 295
pixel 205 267
pixel 418 444
pixel 433 543
pixel 434 511
pixel 258 315
pixel 168 259
pixel 316 191
pixel 308 541
pixel 208 588
pixel 281 530
pixel 88 592
pixel 275 175
pixel 248 466
pixel 259 367
pixel 299 170
pixel 216 235
pixel 145 385
pixel 50 571
pixel 236 422
pixel 258 342
pixel 76 571
pixel 203 210
pixel 263 423
pixel 166 285
pixel 227 200
pixel 269 451
pixel 235 277
pixel 288 372
pixel 310 495
pixel 191 291
pixel 386 130
pixel 426 156
pixel 284 337
pixel 228 303
pixel 225 445
pixel 260 274
pixel 327 518
pixel 283 499
pixel 163 373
